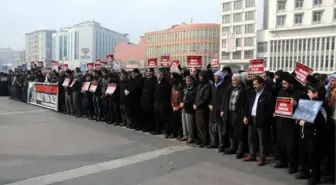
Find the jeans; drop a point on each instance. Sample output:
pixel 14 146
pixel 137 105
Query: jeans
pixel 77 103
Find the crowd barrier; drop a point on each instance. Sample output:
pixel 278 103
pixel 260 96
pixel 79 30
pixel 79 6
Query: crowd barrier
pixel 43 95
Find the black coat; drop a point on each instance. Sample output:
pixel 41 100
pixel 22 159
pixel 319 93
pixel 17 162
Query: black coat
pixel 123 85
pixel 265 109
pixel 203 96
pixel 218 93
pixel 162 95
pixel 147 98
pixel 238 125
pixel 189 97
pixel 135 90
pixel 77 87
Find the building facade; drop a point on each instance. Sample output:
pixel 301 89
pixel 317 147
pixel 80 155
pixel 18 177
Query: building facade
pixel 132 55
pixel 240 22
pixel 39 45
pixel 88 41
pixel 6 56
pixel 60 45
pixel 19 58
pixel 184 40
pixel 301 31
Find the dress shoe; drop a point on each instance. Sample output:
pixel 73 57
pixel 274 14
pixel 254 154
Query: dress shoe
pixel 229 151
pixel 261 162
pixel 190 140
pixel 281 165
pixel 249 158
pixel 211 146
pixel 292 170
pixel 240 155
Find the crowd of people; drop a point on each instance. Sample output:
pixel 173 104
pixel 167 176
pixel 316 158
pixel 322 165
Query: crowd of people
pixel 233 113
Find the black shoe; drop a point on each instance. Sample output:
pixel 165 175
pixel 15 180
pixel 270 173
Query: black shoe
pixel 240 155
pixel 292 170
pixel 281 165
pixel 211 146
pixel 221 149
pixel 202 145
pixel 229 151
pixel 302 175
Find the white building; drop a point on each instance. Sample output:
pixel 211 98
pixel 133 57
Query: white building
pixel 60 45
pixel 6 55
pixel 301 31
pixel 39 45
pixel 86 41
pixel 241 20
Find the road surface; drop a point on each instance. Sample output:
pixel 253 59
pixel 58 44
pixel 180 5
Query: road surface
pixel 42 147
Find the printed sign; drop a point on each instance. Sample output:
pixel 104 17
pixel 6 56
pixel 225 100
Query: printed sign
pixel 64 67
pixel 66 82
pixel 152 63
pixel 174 65
pixel 307 110
pixel 111 88
pixel 215 63
pixel 301 72
pixel 194 62
pixel 85 86
pixel 165 61
pixel 256 67
pixel 283 107
pixel 93 86
pixel 85 51
pixel 89 66
pixel 73 82
pixel 43 95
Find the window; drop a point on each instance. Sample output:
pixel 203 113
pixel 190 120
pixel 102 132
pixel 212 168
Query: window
pixel 262 47
pixel 248 41
pixel 226 7
pixel 281 20
pixel 226 19
pixel 223 43
pixel 237 17
pixel 298 19
pixel 298 4
pixel 225 30
pixel 248 54
pixel 238 42
pixel 317 17
pixel 317 2
pixel 237 29
pixel 249 3
pixel 334 14
pixel 237 5
pixel 249 28
pixel 281 5
pixel 249 16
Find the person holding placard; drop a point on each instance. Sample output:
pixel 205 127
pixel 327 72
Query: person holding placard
pixel 68 92
pixel 287 130
pixel 312 138
pixel 96 89
pixel 76 86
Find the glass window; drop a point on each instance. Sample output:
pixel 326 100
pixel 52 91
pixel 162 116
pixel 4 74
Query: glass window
pixel 298 3
pixel 249 28
pixel 248 41
pixel 237 5
pixel 281 20
pixel 298 19
pixel 248 54
pixel 225 30
pixel 226 7
pixel 281 5
pixel 262 47
pixel 249 3
pixel 225 19
pixel 223 43
pixel 249 15
pixel 237 17
pixel 239 42
pixel 237 29
pixel 334 13
pixel 317 16
pixel 317 2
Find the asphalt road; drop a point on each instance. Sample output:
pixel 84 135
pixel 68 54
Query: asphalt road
pixel 40 147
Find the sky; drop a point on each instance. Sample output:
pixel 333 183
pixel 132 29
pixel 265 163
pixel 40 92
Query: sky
pixel 134 17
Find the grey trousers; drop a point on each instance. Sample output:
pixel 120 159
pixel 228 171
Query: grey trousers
pixel 77 104
pixel 188 124
pixel 216 132
pixel 255 135
pixel 68 103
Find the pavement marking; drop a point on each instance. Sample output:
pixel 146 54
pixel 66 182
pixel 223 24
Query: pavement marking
pixel 100 167
pixel 22 112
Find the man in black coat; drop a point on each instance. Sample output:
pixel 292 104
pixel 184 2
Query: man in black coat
pixel 258 113
pixel 219 91
pixel 162 104
pixel 201 107
pixel 147 100
pixel 133 92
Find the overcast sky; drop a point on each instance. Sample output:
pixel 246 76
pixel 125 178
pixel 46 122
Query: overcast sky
pixel 135 17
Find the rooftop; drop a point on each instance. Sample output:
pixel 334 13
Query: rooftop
pixel 94 23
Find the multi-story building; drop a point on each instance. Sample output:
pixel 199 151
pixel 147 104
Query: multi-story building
pixel 19 58
pixel 184 40
pixel 241 20
pixel 39 45
pixel 88 41
pixel 6 56
pixel 301 31
pixel 60 44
